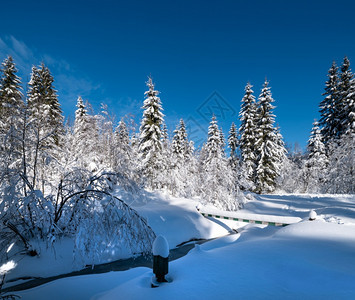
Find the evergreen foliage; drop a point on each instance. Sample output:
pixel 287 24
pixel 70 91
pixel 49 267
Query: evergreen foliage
pixel 45 127
pixel 233 145
pixel 217 178
pixel 11 115
pixel 270 153
pixel 247 137
pixel 86 137
pixel 317 161
pixel 150 146
pixel 329 107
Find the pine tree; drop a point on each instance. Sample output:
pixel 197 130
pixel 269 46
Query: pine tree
pixel 123 151
pixel 165 135
pixel 106 145
pixel 233 145
pixel 150 146
pixel 347 96
pixel 180 143
pixel 86 138
pixel 269 158
pixel 182 170
pixel 247 136
pixel 11 114
pixel 317 161
pixel 217 179
pixel 341 170
pixel 11 101
pixel 46 125
pixel 42 101
pixel 329 107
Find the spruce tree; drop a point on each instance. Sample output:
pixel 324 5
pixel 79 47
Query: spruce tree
pixel 247 138
pixel 341 170
pixel 123 151
pixel 86 138
pixel 43 104
pixel 347 96
pixel 46 127
pixel 11 97
pixel 182 165
pixel 267 143
pixel 11 114
pixel 330 106
pixel 150 146
pixel 180 143
pixel 317 161
pixel 217 179
pixel 233 144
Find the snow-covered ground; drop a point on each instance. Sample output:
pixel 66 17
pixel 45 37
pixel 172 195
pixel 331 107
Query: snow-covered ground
pixel 309 260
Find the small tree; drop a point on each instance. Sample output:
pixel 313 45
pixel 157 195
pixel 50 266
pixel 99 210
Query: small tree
pixel 317 161
pixel 86 138
pixel 217 178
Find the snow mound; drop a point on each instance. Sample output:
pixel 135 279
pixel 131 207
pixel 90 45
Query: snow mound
pixel 161 246
pixel 319 230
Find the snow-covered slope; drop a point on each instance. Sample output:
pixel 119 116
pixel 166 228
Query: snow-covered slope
pixel 310 259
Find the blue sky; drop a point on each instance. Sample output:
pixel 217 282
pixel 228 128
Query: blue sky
pixel 200 54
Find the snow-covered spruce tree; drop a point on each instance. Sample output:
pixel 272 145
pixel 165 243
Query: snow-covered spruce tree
pixel 46 127
pixel 216 176
pixel 233 144
pixel 233 159
pixel 163 177
pixel 341 178
pixel 182 164
pixel 86 138
pixel 11 115
pixel 317 162
pixel 347 96
pixel 270 154
pixel 180 143
pixel 11 101
pixel 165 135
pixel 123 152
pixel 150 146
pixel 106 144
pixel 291 178
pixel 247 138
pixel 330 106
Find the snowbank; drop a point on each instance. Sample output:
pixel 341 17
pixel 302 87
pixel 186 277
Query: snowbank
pixel 241 216
pixel 309 259
pixel 292 263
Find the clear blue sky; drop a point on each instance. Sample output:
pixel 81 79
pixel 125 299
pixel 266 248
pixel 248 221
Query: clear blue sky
pixel 104 51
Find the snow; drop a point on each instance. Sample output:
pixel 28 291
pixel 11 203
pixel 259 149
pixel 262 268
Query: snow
pixel 6 267
pixel 177 219
pixel 161 247
pixel 174 218
pixel 312 215
pixel 249 216
pixel 308 259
